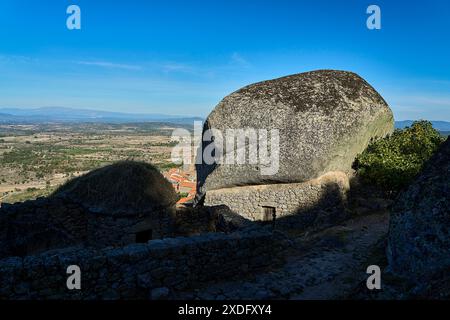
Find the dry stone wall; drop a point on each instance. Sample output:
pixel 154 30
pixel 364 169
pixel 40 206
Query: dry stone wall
pixel 35 226
pixel 140 271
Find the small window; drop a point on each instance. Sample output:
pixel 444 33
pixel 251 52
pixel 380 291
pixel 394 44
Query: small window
pixel 269 214
pixel 144 236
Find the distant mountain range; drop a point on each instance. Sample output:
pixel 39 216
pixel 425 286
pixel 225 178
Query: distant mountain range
pixel 62 114
pixel 438 125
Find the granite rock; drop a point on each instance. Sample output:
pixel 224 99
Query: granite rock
pixel 325 118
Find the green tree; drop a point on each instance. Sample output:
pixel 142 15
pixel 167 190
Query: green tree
pixel 393 162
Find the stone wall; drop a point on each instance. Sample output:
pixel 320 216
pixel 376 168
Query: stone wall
pixel 119 231
pixel 288 199
pixel 140 271
pixel 50 223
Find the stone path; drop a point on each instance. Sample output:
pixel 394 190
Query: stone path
pixel 326 265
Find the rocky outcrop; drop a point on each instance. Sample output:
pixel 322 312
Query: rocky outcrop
pixel 419 233
pixel 325 118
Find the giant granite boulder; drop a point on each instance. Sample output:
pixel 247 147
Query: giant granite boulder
pixel 419 232
pixel 325 118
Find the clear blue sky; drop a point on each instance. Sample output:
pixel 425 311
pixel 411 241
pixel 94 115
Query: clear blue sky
pixel 183 57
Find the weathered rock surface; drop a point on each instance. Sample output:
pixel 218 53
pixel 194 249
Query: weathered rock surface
pixel 419 235
pixel 325 118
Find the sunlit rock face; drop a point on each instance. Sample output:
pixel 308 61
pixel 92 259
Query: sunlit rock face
pixel 324 119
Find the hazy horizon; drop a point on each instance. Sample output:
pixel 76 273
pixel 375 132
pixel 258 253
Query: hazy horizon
pixel 100 110
pixel 2 108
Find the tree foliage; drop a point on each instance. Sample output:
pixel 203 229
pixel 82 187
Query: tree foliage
pixel 393 162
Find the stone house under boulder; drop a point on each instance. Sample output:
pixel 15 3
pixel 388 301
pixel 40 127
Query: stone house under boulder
pixel 266 202
pixel 127 202
pixel 324 119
